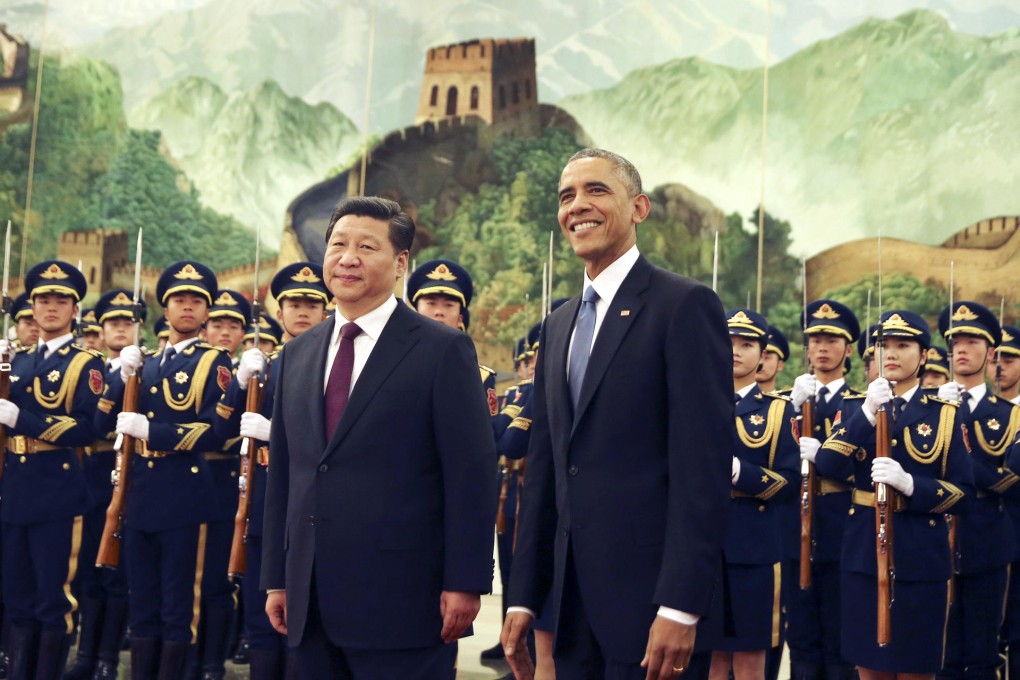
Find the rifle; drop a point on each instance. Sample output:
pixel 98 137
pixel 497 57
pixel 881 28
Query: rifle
pixel 109 545
pixel 238 564
pixel 883 495
pixel 8 357
pixel 807 469
pixel 504 487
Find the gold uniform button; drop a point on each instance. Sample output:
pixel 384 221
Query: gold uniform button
pixel 931 522
pixel 180 395
pixel 233 473
pixel 28 390
pixel 151 464
pixel 761 508
pixel 66 466
pixel 194 469
pixel 851 511
pixel 893 442
pixel 151 414
pixel 153 390
pixel 22 459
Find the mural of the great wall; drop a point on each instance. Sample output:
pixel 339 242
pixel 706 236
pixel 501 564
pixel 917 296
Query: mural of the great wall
pixel 904 124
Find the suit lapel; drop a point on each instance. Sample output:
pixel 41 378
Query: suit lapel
pixel 311 400
pixel 397 338
pixel 626 305
pixel 751 401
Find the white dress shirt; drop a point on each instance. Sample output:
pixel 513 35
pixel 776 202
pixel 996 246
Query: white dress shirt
pixel 371 325
pixel 51 346
pixel 178 348
pixel 834 388
pixel 607 284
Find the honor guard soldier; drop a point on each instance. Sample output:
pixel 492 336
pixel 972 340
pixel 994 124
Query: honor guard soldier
pixel 162 332
pixel 228 318
pixel 102 593
pixel 813 633
pixel 1004 370
pixel 55 387
pixel 985 543
pixel 25 326
pixel 171 496
pixel 764 470
pixel 936 368
pixel 91 331
pixel 270 335
pixel 773 360
pixel 442 290
pixel 302 295
pixel 927 473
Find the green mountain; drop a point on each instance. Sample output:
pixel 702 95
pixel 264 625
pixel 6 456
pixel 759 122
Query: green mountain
pixel 248 153
pixel 902 124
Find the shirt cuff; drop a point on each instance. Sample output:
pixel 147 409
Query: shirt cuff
pixel 680 617
pixel 523 610
pixel 276 590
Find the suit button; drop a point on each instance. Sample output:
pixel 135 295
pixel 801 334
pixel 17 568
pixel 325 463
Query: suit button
pixel 323 467
pixel 311 520
pixel 566 532
pixel 572 470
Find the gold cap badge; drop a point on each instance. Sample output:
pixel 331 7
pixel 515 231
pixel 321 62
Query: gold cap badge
pixel 441 273
pixel 306 275
pixel 53 272
pixel 121 300
pixel 188 272
pixel 933 354
pixel 963 313
pixel 826 312
pixel 226 299
pixel 895 321
pixel 1007 336
pixel 740 317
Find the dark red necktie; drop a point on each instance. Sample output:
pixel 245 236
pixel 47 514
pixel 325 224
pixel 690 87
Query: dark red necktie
pixel 339 385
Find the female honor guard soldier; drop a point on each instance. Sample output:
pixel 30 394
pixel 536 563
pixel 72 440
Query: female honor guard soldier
pixel 764 473
pixel 102 593
pixel 928 473
pixel 171 495
pixel 55 387
pixel 302 296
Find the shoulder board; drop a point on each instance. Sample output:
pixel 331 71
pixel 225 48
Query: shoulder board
pixel 856 395
pixel 777 395
pixel 944 402
pixel 207 346
pixel 275 353
pixel 98 355
pixel 146 352
pixel 491 371
pixel 786 391
pixel 526 381
pixel 20 348
pixel 850 392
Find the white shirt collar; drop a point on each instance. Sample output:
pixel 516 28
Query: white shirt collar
pixel 977 393
pixel 184 344
pixel 53 345
pixel 611 278
pixel 909 394
pixel 743 391
pixel 371 324
pixel 834 388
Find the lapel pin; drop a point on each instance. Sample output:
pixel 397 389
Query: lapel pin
pixel 624 312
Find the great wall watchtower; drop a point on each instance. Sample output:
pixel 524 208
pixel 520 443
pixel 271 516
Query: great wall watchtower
pixel 491 79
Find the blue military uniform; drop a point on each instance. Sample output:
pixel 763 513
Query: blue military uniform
pixel 928 441
pixel 267 647
pixel 937 362
pixel 765 446
pixel 56 387
pixel 814 636
pixel 986 542
pixel 172 495
pixel 102 593
pixel 1010 346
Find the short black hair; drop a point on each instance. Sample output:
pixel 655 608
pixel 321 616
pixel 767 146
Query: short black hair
pixel 624 169
pixel 401 225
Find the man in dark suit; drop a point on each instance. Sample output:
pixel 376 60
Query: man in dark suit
pixel 629 462
pixel 379 505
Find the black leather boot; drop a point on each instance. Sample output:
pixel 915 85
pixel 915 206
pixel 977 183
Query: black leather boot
pixel 24 649
pixel 804 670
pixel 144 658
pixel 53 648
pixel 90 630
pixel 266 664
pixel 218 623
pixel 114 624
pixel 173 660
pixel 838 672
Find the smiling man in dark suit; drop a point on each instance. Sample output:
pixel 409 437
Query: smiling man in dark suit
pixel 379 511
pixel 629 463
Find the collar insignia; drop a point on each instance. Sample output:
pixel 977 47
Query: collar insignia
pixel 826 312
pixel 306 275
pixel 963 313
pixel 53 272
pixel 441 273
pixel 188 271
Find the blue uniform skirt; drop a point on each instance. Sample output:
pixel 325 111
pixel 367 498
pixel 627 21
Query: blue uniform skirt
pixel 754 595
pixel 919 613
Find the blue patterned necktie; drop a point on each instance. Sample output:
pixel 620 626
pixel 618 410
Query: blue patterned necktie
pixel 580 349
pixel 823 395
pixel 899 403
pixel 168 354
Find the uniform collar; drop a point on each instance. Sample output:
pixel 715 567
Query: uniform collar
pixel 53 345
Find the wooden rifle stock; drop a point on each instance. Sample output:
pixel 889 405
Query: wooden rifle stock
pixel 109 545
pixel 504 485
pixel 521 464
pixel 807 496
pixel 884 534
pixel 238 564
pixel 5 393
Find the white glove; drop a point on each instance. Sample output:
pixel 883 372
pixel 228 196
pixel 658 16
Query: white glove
pixel 804 387
pixel 133 425
pixel 9 413
pixel 879 393
pixel 951 391
pixel 5 348
pixel 809 448
pixel 889 471
pixel 130 361
pixel 252 362
pixel 255 425
pixel 736 470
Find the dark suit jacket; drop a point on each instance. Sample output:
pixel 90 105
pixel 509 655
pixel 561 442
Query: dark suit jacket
pixel 398 506
pixel 636 483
